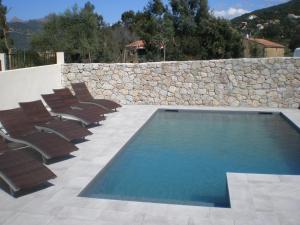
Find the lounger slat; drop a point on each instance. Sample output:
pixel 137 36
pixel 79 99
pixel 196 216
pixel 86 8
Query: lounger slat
pixel 71 130
pixel 84 95
pixel 51 144
pixel 71 101
pixel 34 178
pixel 47 144
pixel 11 161
pixel 16 123
pixel 20 171
pixel 39 115
pixel 57 105
pixel 106 103
pixel 36 112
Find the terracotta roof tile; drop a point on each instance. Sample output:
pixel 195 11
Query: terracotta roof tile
pixel 140 44
pixel 266 43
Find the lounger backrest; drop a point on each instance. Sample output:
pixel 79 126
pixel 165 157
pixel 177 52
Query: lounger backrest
pixel 67 96
pixel 55 102
pixel 82 92
pixel 3 146
pixel 36 112
pixel 16 123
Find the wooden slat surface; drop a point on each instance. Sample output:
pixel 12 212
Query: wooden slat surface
pixel 70 100
pixel 57 105
pixel 55 102
pixel 36 112
pixel 83 94
pixel 51 144
pixel 22 170
pixel 16 123
pixel 69 129
pixel 40 116
pixel 18 126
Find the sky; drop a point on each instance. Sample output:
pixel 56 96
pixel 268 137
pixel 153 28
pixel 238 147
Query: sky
pixel 112 10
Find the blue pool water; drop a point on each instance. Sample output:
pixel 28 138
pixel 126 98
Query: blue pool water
pixel 183 157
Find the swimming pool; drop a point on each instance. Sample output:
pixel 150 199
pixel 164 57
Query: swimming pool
pixel 183 157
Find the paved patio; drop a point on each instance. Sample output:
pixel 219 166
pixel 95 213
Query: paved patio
pixel 255 199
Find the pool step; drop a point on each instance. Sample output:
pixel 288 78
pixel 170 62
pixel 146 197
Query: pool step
pixel 171 110
pixel 265 113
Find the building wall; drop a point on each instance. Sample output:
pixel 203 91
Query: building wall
pixel 274 52
pixel 270 82
pixel 28 84
pixel 252 49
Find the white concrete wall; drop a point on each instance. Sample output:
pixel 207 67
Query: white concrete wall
pixel 28 84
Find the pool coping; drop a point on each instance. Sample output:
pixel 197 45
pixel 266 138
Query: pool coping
pixel 255 198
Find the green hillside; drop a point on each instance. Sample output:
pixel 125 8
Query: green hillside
pixel 21 32
pixel 278 23
pixel 275 12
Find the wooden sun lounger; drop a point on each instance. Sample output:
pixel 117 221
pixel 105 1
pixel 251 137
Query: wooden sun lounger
pixel 57 105
pixel 42 119
pixel 71 101
pixel 21 130
pixel 20 171
pixel 84 96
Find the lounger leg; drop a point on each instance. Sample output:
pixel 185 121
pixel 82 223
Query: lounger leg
pixel 12 192
pixel 44 160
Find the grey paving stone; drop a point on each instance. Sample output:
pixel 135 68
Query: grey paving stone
pixel 267 218
pixel 239 191
pixel 263 203
pixel 286 204
pixel 263 178
pixel 79 213
pixel 118 217
pixel 222 222
pixel 197 221
pixel 25 219
pixel 237 178
pixel 221 214
pixel 5 215
pixel 247 222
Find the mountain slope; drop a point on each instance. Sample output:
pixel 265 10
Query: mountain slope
pixel 21 32
pixel 280 23
pixel 272 13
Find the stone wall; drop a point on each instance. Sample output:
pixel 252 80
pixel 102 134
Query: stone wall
pixel 272 82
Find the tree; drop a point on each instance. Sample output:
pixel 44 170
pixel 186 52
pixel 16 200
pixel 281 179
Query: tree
pixel 128 19
pixel 204 9
pixel 115 38
pixel 155 26
pixel 186 32
pixel 161 26
pixel 295 41
pixel 181 30
pixel 76 31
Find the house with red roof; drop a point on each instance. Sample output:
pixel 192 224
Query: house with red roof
pixel 258 47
